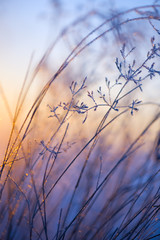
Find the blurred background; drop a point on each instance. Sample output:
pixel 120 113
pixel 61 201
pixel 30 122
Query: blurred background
pixel 29 28
pixel 36 43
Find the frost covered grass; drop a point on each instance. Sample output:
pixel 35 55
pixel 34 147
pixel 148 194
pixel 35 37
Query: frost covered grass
pixel 81 168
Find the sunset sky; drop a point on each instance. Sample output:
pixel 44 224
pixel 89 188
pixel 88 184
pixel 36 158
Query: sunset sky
pixel 29 27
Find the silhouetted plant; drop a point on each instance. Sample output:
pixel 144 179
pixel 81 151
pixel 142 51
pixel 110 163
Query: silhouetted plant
pixel 63 187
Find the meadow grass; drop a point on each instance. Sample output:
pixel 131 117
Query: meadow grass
pixel 79 169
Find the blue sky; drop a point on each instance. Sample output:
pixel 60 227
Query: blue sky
pixel 26 25
pixel 30 26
